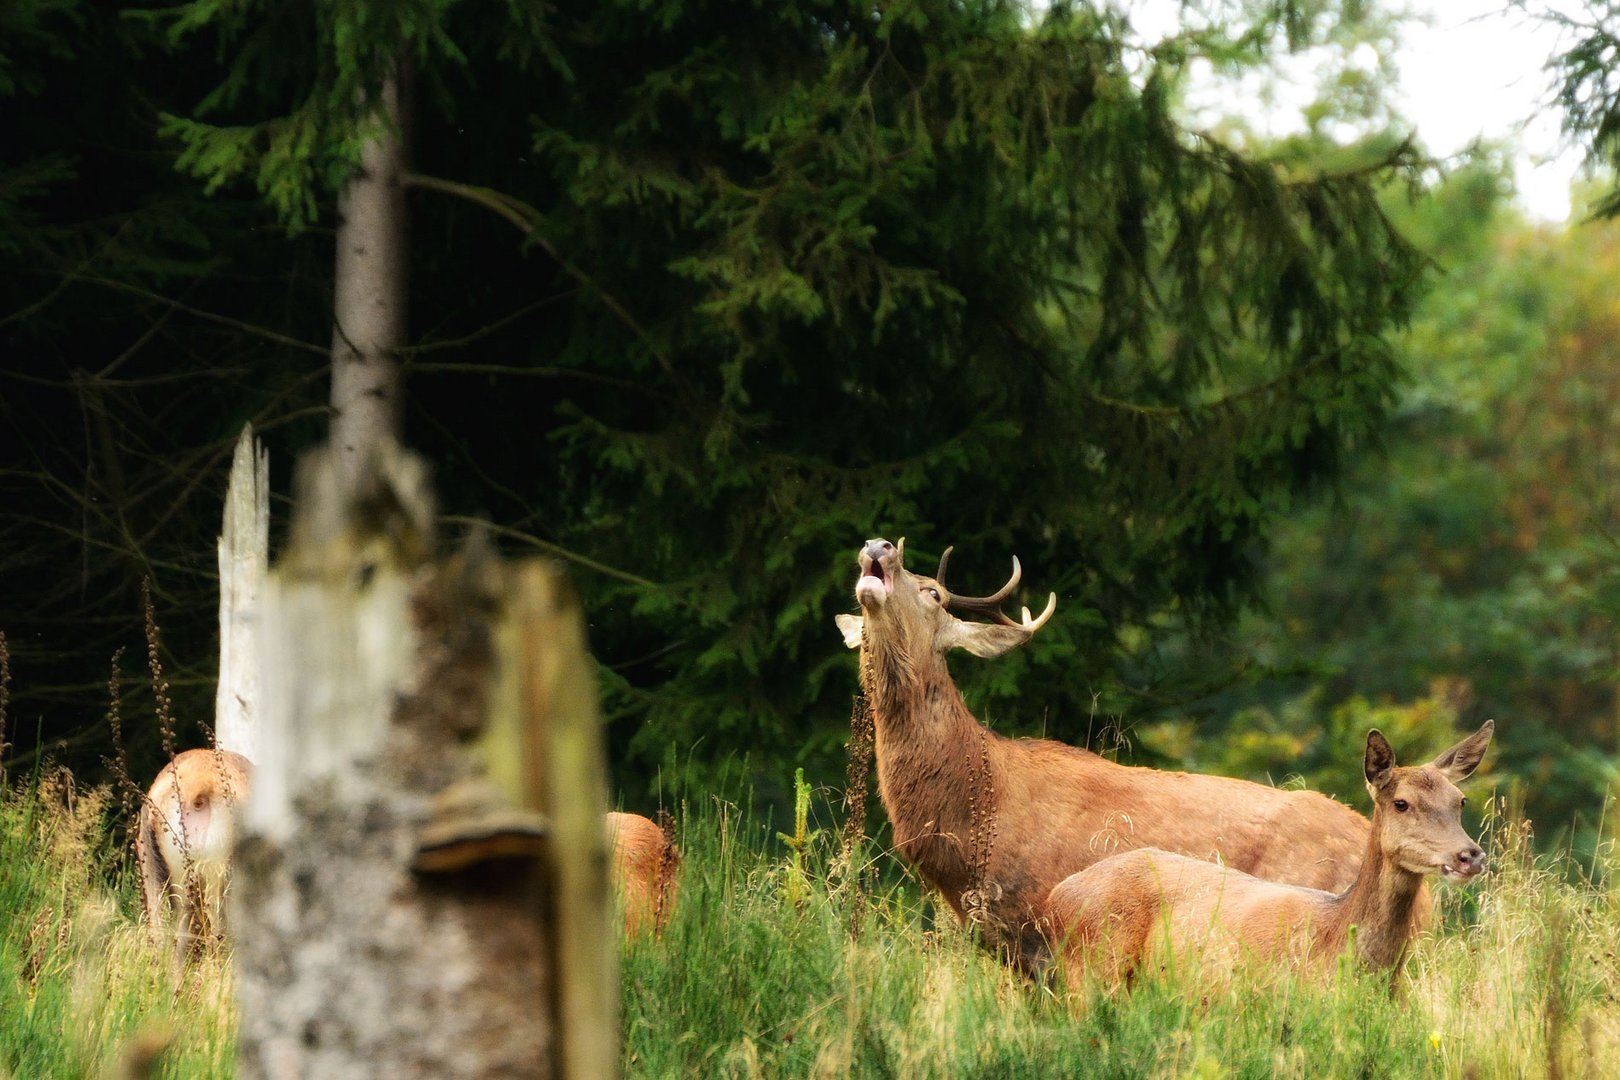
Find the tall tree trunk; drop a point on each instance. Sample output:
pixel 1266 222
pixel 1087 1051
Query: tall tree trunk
pixel 369 295
pixel 400 900
pixel 244 559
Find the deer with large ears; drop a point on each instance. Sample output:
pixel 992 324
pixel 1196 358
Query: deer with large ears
pixel 994 823
pixel 1134 907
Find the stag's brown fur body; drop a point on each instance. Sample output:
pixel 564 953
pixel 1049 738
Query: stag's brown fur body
pixel 1149 905
pixel 644 865
pixel 183 841
pixel 1050 809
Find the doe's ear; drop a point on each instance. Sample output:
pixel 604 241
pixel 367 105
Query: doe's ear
pixel 1380 760
pixel 982 639
pixel 851 627
pixel 1461 760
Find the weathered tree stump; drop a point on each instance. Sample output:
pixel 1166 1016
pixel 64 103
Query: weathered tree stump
pixel 421 885
pixel 244 559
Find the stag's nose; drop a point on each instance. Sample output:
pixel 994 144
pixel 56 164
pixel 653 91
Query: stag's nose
pixel 876 549
pixel 1470 860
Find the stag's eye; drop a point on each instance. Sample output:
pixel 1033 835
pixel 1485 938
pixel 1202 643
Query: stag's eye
pixel 1401 805
pixel 934 593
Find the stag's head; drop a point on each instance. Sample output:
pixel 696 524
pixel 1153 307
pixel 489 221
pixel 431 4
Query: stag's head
pixel 1417 810
pixel 915 613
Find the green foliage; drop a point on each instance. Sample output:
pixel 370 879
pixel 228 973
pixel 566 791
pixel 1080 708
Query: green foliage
pixel 1303 743
pixel 969 282
pixel 1587 91
pixel 1471 572
pixel 30 32
pixel 790 276
pixel 329 59
pixel 29 27
pixel 795 886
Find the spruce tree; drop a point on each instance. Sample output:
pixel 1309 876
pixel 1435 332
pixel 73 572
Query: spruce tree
pixel 705 294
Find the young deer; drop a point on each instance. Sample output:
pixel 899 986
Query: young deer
pixel 1131 908
pixel 994 823
pixel 644 865
pixel 183 841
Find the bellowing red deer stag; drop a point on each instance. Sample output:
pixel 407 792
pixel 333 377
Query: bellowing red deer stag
pixel 1132 907
pixel 644 865
pixel 994 823
pixel 183 841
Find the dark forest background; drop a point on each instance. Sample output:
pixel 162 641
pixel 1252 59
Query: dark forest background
pixel 1307 435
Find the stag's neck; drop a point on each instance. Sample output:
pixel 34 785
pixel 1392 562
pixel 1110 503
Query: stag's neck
pixel 915 705
pixel 937 766
pixel 1380 905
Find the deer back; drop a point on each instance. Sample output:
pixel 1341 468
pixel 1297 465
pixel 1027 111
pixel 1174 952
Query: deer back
pixel 1122 911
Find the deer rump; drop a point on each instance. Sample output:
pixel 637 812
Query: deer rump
pixel 995 823
pixel 183 840
pixel 186 831
pixel 644 866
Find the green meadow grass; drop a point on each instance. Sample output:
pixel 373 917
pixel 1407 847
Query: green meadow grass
pixel 772 967
pixel 82 987
pixel 1520 978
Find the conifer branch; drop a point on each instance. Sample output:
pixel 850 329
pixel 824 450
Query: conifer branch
pixel 527 220
pixel 208 316
pixel 552 549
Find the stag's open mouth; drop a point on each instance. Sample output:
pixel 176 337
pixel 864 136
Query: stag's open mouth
pixel 1452 873
pixel 874 585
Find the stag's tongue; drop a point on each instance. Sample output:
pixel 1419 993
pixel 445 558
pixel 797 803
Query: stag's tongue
pixel 873 586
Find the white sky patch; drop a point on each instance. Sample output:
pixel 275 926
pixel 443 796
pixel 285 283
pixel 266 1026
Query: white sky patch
pixel 1475 72
pixel 1466 70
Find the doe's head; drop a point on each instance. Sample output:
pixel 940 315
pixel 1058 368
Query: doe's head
pixel 914 612
pixel 1417 809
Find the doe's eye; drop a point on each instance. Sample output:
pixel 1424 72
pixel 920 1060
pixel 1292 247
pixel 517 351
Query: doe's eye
pixel 1401 805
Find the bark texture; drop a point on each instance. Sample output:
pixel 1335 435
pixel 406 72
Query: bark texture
pixel 244 559
pixel 369 295
pixel 397 689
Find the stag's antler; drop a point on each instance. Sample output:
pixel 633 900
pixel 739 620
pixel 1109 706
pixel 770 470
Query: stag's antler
pixel 988 605
pixel 1035 624
pixel 991 605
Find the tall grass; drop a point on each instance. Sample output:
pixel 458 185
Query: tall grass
pixel 773 966
pixel 84 992
pixel 1519 978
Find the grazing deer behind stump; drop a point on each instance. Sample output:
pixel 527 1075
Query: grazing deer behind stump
pixel 994 823
pixel 187 828
pixel 644 865
pixel 1134 908
pixel 183 841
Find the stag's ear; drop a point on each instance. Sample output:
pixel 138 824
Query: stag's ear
pixel 1461 760
pixel 981 639
pixel 1380 760
pixel 851 627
